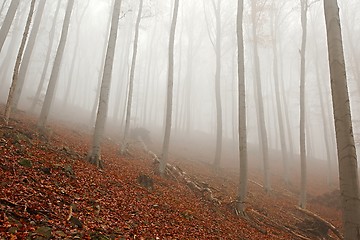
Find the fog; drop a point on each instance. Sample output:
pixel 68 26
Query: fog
pixel 194 112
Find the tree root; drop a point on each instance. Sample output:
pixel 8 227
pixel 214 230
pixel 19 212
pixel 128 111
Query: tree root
pixel 325 223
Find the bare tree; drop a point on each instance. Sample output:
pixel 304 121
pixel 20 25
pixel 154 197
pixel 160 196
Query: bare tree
pixel 131 80
pixel 5 27
pixel 28 52
pixel 304 8
pixel 241 111
pixel 94 154
pixel 165 150
pixel 56 67
pixel 47 58
pixel 259 98
pixel 348 170
pixel 15 77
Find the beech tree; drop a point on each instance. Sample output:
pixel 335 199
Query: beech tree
pixel 56 67
pixel 131 79
pixel 28 52
pixel 259 98
pixel 304 8
pixel 94 153
pixel 47 58
pixel 5 27
pixel 241 111
pixel 170 84
pixel 19 58
pixel 348 169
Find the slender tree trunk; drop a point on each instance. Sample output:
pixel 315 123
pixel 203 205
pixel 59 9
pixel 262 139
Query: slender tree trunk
pixel 102 66
pixel 75 54
pixel 258 87
pixel 284 152
pixel 2 6
pixel 15 77
pixel 28 52
pixel 302 201
pixel 56 67
pixel 241 112
pixel 131 80
pixel 165 150
pixel 47 59
pixel 348 170
pixel 5 27
pixel 219 120
pixel 94 154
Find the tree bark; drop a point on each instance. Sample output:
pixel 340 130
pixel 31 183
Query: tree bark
pixel 348 169
pixel 94 154
pixel 242 111
pixel 15 77
pixel 28 52
pixel 260 105
pixel 165 149
pixel 47 59
pixel 302 201
pixel 56 67
pixel 131 80
pixel 5 27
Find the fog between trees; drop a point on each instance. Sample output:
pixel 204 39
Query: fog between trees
pixel 205 94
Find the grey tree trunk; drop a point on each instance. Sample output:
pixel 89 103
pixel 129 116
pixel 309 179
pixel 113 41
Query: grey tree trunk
pixel 302 201
pixel 348 170
pixel 219 120
pixel 28 52
pixel 5 27
pixel 94 154
pixel 56 67
pixel 131 80
pixel 165 149
pixel 260 105
pixel 278 100
pixel 36 99
pixel 2 6
pixel 241 111
pixel 15 77
pixel 75 55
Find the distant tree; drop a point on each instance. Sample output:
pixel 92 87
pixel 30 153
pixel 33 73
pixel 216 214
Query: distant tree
pixel 94 156
pixel 304 8
pixel 131 79
pixel 47 58
pixel 348 169
pixel 28 52
pixel 241 112
pixel 165 150
pixel 259 98
pixel 15 77
pixel 275 24
pixel 56 67
pixel 5 27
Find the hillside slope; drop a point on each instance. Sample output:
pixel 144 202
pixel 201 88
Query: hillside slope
pixel 48 191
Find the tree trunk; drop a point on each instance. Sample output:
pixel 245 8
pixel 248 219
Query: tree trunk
pixel 260 105
pixel 242 111
pixel 278 100
pixel 219 130
pixel 348 171
pixel 15 77
pixel 131 80
pixel 47 59
pixel 94 154
pixel 28 52
pixel 56 67
pixel 5 27
pixel 165 150
pixel 302 202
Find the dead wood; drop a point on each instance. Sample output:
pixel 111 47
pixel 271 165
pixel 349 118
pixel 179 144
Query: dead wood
pixel 321 220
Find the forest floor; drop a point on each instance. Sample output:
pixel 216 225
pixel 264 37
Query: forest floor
pixel 49 191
